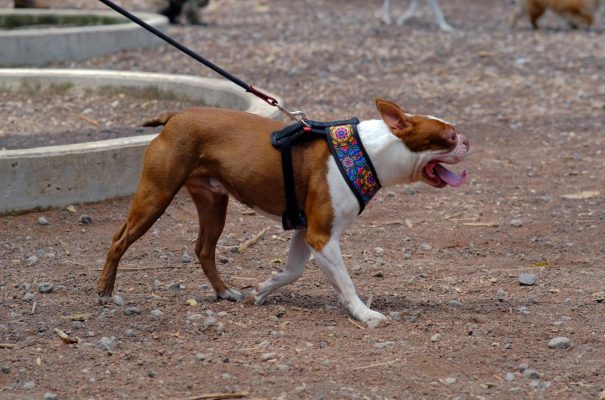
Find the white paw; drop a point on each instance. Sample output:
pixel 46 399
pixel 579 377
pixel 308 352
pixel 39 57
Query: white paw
pixel 446 28
pixel 370 318
pixel 260 297
pixel 231 295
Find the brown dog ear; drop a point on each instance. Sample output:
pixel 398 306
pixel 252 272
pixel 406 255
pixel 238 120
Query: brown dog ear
pixel 394 116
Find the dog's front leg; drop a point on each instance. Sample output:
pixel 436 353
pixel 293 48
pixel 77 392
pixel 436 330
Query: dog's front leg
pixel 298 255
pixel 330 261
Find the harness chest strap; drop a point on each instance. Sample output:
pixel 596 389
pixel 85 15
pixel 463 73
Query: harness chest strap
pixel 347 149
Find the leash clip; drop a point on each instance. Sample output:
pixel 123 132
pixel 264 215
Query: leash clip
pixel 298 116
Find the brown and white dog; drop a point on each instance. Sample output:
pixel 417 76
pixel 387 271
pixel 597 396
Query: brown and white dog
pixel 385 14
pixel 579 13
pixel 217 152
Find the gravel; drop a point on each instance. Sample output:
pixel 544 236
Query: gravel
pixel 43 221
pixel 132 311
pixel 157 313
pixel 516 223
pixel 50 396
pixel 45 287
pixel 531 373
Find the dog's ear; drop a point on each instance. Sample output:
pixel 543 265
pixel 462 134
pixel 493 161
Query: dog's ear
pixel 394 116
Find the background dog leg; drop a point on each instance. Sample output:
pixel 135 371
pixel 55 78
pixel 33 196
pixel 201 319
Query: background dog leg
pixel 409 13
pixel 211 200
pixel 298 255
pixel 385 12
pixel 330 261
pixel 520 10
pixel 439 16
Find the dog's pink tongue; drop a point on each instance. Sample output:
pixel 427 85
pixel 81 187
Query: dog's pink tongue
pixel 450 177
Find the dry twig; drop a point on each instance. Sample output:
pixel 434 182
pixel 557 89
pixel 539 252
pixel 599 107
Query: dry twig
pixel 218 396
pixel 251 242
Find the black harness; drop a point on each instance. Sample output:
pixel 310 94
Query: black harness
pixel 294 217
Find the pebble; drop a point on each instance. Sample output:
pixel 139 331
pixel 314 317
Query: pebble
pixel 455 303
pixel 77 324
pixel 42 221
pixel 210 321
pixel 449 380
pixel 527 279
pixel 31 260
pixel 132 311
pixel 523 310
pixel 509 377
pixel 220 328
pixel 516 223
pixel 50 396
pixel 156 313
pixel 224 259
pixel 45 287
pixel 501 295
pixel 107 344
pixel 395 315
pixel 268 356
pixel 222 314
pixel 409 191
pixel 436 338
pixel 28 296
pixel 425 246
pixel 200 356
pixel 29 385
pixel 195 317
pixel 522 367
pixel 118 300
pixel 5 369
pixel 560 342
pixel 131 333
pixel 176 286
pixel 85 220
pixel 384 345
pixel 151 373
pixel 531 374
pixel 186 258
pixel 284 368
pixel 378 250
pixel 226 376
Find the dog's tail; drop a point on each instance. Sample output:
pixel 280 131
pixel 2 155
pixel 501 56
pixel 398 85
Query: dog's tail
pixel 159 120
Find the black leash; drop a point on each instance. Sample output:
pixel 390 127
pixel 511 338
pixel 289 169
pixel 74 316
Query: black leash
pixel 294 115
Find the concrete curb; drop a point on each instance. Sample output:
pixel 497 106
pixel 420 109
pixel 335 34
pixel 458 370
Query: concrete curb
pixel 41 46
pixel 56 176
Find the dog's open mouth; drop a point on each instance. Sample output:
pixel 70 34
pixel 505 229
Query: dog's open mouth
pixel 440 176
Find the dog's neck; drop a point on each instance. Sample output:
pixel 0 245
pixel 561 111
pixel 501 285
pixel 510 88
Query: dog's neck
pixel 393 161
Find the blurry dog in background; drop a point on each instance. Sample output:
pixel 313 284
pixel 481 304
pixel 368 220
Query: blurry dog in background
pixel 187 11
pixel 30 4
pixel 385 14
pixel 579 13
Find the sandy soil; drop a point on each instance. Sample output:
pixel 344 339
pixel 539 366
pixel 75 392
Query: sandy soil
pixel 443 264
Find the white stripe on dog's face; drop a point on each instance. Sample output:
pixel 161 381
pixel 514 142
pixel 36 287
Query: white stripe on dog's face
pixel 438 119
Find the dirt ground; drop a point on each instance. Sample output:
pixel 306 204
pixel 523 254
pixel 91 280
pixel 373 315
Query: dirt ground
pixel 444 265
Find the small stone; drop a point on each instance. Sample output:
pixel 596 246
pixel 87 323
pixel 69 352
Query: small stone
pixel 220 328
pixel 322 345
pixel 85 220
pixel 210 321
pixel 384 345
pixel 531 374
pixel 176 286
pixel 509 377
pixel 77 324
pixel 283 368
pixel 378 250
pixel 5 369
pixel 522 367
pixel 131 333
pixel 527 279
pixel 42 221
pixel 200 356
pixel 157 313
pixel 409 191
pixel 195 317
pixel 407 255
pixel 29 385
pixel 50 396
pixel 32 260
pixel 516 223
pixel 523 310
pixel 226 376
pixel 118 300
pixel 132 311
pixel 449 380
pixel 268 356
pixel 223 259
pixel 28 297
pixel 559 343
pixel 45 287
pixel 501 295
pixel 425 246
pixel 395 315
pixel 391 194
pixel 186 258
pixel 151 373
pixel 107 344
pixel 222 314
pixel 454 303
pixel 379 274
pixel 436 338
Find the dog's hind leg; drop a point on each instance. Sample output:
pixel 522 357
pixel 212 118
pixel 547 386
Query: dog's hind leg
pixel 535 12
pixel 520 10
pixel 163 174
pixel 298 255
pixel 409 13
pixel 443 25
pixel 211 200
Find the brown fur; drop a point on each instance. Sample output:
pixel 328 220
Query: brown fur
pixel 579 13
